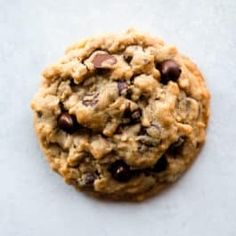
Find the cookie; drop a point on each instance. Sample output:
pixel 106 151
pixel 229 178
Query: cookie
pixel 121 116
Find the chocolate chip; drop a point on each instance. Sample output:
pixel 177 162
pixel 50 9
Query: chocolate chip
pixel 39 114
pixel 100 58
pixel 128 94
pixel 119 129
pixel 127 112
pixel 198 145
pixel 72 82
pixel 120 171
pixel 122 87
pixel 161 164
pixel 176 147
pixel 61 105
pixel 143 131
pixel 102 71
pixel 67 122
pixel 128 58
pixel 170 71
pixel 133 116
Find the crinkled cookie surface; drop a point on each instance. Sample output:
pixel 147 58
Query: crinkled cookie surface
pixel 121 115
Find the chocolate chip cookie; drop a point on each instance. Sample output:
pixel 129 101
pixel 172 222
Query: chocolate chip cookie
pixel 121 116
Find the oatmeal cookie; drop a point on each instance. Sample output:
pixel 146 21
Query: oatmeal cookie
pixel 121 115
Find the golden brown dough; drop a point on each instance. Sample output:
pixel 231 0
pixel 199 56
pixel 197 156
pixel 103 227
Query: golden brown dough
pixel 121 115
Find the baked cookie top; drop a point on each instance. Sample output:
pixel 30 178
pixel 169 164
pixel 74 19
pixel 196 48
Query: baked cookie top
pixel 121 115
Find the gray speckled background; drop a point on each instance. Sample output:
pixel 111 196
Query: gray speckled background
pixel 34 200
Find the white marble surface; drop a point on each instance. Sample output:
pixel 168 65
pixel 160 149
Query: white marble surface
pixel 34 200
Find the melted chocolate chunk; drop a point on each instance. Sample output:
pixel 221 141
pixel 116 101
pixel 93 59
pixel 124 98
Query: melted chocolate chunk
pixel 100 58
